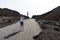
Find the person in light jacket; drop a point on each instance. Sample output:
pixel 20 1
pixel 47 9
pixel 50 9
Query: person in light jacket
pixel 21 22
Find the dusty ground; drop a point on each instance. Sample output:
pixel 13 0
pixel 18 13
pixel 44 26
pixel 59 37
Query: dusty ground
pixel 31 28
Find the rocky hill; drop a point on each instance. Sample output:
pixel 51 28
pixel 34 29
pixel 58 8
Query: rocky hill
pixel 53 15
pixel 8 16
pixel 8 12
pixel 50 25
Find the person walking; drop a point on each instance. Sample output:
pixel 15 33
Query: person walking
pixel 21 23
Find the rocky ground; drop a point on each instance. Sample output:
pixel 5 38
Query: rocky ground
pixel 48 33
pixel 50 29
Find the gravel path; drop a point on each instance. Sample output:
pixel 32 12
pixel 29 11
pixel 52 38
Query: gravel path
pixel 31 28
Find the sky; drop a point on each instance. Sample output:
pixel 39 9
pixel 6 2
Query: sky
pixel 34 7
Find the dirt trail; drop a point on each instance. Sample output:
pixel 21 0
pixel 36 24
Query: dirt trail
pixel 31 28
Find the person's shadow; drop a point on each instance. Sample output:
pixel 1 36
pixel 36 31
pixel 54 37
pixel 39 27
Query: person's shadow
pixel 12 34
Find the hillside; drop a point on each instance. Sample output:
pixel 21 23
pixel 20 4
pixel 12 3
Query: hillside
pixel 53 15
pixel 50 24
pixel 8 12
pixel 8 16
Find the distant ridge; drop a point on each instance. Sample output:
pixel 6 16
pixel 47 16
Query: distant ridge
pixel 51 15
pixel 8 12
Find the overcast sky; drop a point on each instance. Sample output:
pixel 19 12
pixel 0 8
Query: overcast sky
pixel 34 7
